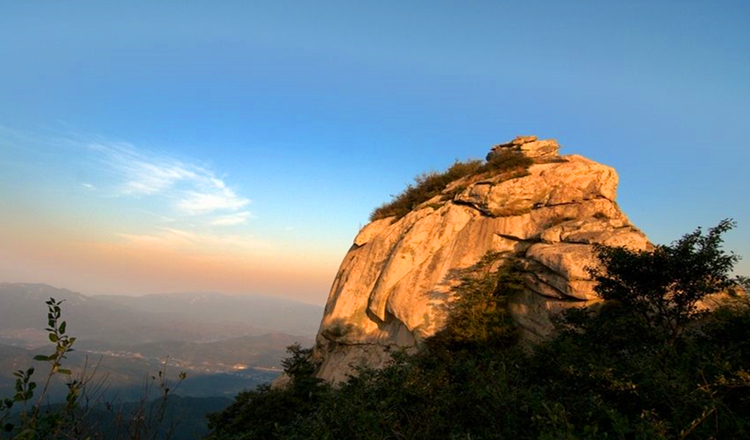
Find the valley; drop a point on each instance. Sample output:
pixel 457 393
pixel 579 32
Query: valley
pixel 124 341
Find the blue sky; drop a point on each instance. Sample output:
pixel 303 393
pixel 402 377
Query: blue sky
pixel 274 128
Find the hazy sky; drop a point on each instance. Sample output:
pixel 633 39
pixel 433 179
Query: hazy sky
pixel 238 146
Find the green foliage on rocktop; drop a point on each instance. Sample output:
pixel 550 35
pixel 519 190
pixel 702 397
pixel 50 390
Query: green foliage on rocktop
pixel 616 371
pixel 429 185
pixel 425 187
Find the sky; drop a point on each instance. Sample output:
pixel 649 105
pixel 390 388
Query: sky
pixel 238 147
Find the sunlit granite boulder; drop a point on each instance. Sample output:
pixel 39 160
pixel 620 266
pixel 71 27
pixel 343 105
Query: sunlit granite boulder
pixel 395 282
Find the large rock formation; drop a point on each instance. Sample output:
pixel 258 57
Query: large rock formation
pixel 395 282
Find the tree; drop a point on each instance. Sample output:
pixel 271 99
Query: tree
pixel 265 412
pixel 664 286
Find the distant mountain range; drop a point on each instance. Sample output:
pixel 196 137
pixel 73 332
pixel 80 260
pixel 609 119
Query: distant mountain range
pixel 263 312
pixel 224 343
pixel 151 318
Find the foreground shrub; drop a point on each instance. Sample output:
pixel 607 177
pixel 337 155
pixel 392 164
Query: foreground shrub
pixel 28 415
pixel 663 286
pixel 260 414
pixel 609 373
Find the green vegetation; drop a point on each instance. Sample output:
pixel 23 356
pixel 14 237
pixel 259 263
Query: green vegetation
pixel 649 363
pixel 425 187
pixel 429 185
pixel 507 162
pixel 31 422
pixel 25 416
pixel 261 413
pixel 644 365
pixel 663 287
pixel 480 318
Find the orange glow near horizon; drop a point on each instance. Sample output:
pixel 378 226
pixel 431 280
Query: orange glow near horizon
pixel 141 265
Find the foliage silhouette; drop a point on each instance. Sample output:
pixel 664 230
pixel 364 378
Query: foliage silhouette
pixel 425 187
pixel 664 286
pixel 612 371
pixel 73 419
pixel 428 185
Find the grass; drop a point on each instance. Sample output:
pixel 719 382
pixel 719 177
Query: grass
pixel 506 162
pixel 425 187
pixel 428 185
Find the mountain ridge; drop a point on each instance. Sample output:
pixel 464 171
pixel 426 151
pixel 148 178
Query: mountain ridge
pixel 130 342
pixel 153 318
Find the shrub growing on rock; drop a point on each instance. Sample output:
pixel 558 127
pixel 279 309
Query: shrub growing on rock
pixel 507 162
pixel 480 316
pixel 425 187
pixel 429 185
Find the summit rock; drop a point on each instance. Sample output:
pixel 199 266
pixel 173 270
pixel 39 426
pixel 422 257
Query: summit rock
pixel 395 284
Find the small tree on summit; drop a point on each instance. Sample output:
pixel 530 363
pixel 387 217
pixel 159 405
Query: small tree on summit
pixel 664 286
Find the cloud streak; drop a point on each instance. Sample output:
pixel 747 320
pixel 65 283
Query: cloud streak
pixel 191 242
pixel 197 203
pixel 192 190
pixel 233 219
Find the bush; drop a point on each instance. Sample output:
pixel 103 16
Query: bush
pixel 479 316
pixel 607 374
pixel 507 162
pixel 428 185
pixel 664 286
pixel 425 187
pixel 262 413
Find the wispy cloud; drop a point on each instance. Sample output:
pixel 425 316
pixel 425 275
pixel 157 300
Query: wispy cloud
pixel 197 203
pixel 193 190
pixel 232 220
pixel 182 240
pixel 143 174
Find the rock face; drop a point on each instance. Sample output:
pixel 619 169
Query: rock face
pixel 395 282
